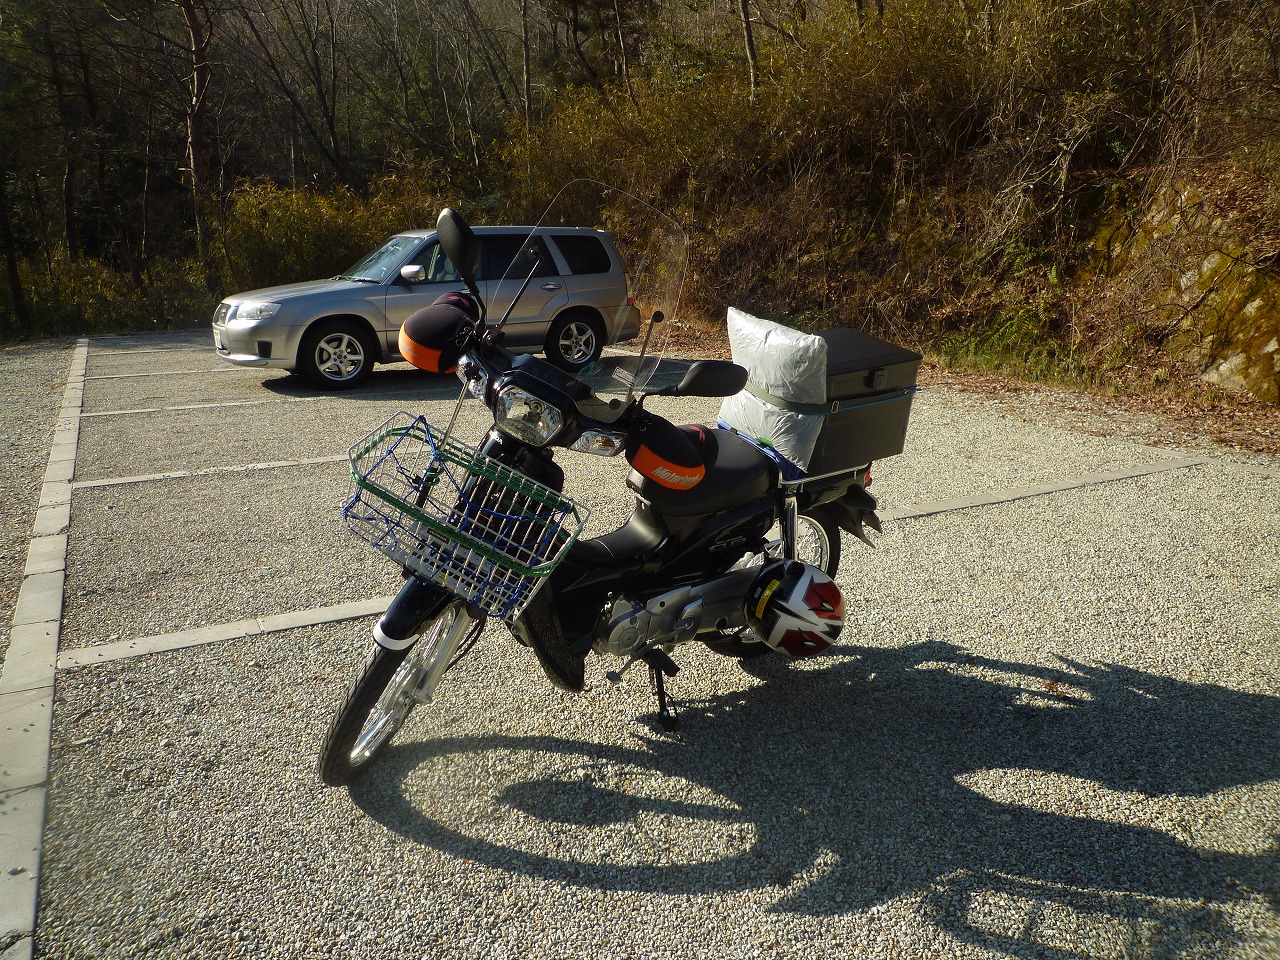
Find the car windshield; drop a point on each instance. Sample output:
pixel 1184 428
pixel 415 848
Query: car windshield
pixel 382 263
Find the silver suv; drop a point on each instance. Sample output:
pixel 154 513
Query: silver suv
pixel 334 331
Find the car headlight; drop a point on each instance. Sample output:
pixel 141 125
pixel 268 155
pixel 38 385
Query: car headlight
pixel 521 415
pixel 600 443
pixel 252 310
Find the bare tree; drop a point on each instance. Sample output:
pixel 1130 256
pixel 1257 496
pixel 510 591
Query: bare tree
pixel 748 37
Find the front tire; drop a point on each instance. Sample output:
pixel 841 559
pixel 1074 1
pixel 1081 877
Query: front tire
pixel 336 355
pixel 389 686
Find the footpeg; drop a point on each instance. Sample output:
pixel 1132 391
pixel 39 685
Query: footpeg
pixel 655 657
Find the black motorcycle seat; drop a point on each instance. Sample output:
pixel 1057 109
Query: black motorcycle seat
pixel 737 473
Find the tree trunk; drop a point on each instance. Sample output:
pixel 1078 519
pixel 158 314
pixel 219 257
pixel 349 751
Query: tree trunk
pixel 70 148
pixel 524 53
pixel 11 261
pixel 744 10
pixel 199 35
pixel 622 53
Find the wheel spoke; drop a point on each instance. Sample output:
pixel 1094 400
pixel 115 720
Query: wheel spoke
pixel 414 682
pixel 339 356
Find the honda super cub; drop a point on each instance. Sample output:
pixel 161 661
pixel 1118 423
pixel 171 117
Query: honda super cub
pixel 729 543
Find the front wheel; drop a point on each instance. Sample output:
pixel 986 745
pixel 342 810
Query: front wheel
pixel 336 355
pixel 391 684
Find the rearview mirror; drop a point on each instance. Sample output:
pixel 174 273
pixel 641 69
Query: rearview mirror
pixel 709 378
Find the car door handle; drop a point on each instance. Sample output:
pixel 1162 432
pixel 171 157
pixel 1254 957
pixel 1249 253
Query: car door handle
pixel 551 286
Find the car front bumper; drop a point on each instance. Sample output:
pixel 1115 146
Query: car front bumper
pixel 244 348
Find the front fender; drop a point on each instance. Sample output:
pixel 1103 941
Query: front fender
pixel 417 602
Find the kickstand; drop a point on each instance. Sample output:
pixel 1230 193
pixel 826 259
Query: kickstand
pixel 666 709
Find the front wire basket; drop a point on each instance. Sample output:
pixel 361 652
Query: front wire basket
pixel 453 516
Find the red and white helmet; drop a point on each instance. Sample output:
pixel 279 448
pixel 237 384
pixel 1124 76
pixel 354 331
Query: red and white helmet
pixel 795 608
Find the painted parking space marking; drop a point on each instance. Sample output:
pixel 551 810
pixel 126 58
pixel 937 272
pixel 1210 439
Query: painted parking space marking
pixel 216 633
pixel 161 373
pixel 207 472
pixel 192 406
pixel 1041 490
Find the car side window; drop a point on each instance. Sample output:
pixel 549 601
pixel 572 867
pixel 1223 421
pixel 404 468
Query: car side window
pixel 583 254
pixel 440 268
pixel 497 252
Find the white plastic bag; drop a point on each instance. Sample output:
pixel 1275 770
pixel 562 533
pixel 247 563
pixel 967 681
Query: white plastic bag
pixel 791 366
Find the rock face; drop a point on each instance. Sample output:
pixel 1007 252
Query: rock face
pixel 1221 306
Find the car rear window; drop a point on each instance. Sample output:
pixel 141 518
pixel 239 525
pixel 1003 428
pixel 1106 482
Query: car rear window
pixel 584 254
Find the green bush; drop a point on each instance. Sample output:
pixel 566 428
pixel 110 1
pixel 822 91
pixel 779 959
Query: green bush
pixel 85 297
pixel 270 234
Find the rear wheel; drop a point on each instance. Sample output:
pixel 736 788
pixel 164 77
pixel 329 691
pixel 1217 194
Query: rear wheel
pixel 391 684
pixel 336 354
pixel 573 341
pixel 817 544
pixel 818 541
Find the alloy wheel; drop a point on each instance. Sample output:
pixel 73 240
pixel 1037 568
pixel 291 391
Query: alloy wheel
pixel 340 356
pixel 577 342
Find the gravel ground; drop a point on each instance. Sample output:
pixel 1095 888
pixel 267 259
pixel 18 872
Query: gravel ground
pixel 34 379
pixel 1083 765
pixel 1053 729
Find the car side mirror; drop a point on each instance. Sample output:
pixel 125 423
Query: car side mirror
pixel 459 243
pixel 708 378
pixel 413 273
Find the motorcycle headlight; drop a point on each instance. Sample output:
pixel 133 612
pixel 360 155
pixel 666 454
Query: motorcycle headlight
pixel 521 415
pixel 252 310
pixel 600 443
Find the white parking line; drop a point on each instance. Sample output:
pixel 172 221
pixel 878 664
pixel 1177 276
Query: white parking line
pixel 182 639
pixel 1041 490
pixel 162 373
pixel 193 348
pixel 206 472
pixel 193 406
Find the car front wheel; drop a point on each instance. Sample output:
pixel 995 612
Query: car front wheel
pixel 574 341
pixel 336 355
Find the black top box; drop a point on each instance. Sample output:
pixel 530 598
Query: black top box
pixel 859 364
pixel 870 384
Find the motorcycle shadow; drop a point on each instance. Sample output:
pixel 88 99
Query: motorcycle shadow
pixel 923 771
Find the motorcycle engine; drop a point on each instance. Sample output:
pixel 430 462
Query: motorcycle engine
pixel 677 616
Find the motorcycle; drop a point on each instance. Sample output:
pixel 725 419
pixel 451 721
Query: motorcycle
pixel 718 549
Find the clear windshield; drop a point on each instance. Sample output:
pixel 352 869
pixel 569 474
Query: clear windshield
pixel 654 252
pixel 381 263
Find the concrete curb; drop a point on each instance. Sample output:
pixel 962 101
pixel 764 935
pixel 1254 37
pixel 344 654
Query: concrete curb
pixel 1041 490
pixel 27 682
